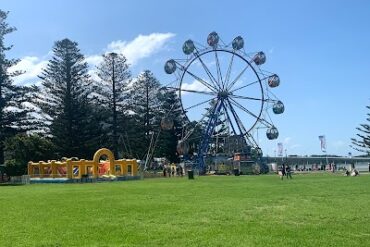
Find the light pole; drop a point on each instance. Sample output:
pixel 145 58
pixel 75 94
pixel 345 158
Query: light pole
pixel 286 156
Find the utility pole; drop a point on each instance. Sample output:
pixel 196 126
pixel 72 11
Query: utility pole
pixel 286 156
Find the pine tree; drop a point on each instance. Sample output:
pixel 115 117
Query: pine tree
pixel 114 76
pixel 362 142
pixel 144 107
pixel 66 101
pixel 14 108
pixel 168 138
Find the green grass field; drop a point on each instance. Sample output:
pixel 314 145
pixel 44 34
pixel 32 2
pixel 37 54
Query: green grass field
pixel 310 210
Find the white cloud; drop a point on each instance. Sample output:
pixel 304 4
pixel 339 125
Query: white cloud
pixel 94 60
pixel 287 140
pixel 141 47
pixel 93 75
pixel 290 145
pixel 294 146
pixel 195 85
pixel 32 66
pixel 338 144
pixel 209 64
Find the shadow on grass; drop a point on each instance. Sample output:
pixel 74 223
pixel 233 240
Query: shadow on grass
pixel 8 184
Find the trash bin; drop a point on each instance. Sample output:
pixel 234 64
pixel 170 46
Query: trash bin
pixel 84 178
pixel 236 172
pixel 191 174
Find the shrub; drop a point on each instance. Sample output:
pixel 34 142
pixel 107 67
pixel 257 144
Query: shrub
pixel 21 149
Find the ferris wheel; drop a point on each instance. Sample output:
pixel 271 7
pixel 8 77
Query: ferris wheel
pixel 221 83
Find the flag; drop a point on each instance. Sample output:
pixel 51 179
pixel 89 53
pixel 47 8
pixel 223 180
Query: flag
pixel 280 149
pixel 322 143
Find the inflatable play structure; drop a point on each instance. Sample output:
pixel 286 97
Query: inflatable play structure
pixel 77 169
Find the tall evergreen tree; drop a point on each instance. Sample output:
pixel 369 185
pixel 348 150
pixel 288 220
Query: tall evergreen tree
pixel 362 142
pixel 170 109
pixel 145 107
pixel 114 75
pixel 14 112
pixel 66 101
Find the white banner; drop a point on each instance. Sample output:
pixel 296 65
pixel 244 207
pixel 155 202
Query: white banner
pixel 322 143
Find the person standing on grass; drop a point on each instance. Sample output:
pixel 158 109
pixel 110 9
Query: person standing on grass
pixel 288 172
pixel 169 171
pixel 282 171
pixel 177 171
pixel 173 171
pixel 164 171
pixel 346 172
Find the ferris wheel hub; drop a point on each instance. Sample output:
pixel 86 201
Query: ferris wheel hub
pixel 223 94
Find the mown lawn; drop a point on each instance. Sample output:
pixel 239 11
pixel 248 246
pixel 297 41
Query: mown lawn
pixel 310 210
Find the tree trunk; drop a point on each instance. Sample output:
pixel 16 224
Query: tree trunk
pixel 115 137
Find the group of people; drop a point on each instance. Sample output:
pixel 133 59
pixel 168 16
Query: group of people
pixel 4 177
pixel 353 173
pixel 285 170
pixel 172 171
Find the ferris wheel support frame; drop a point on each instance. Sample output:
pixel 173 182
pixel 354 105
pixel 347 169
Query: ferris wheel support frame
pixel 203 147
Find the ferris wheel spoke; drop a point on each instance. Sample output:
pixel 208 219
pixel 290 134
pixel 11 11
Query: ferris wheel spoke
pixel 199 104
pixel 213 89
pixel 248 98
pixel 233 102
pixel 267 100
pixel 265 123
pixel 209 86
pixel 219 74
pixel 259 119
pixel 210 76
pixel 228 73
pixel 251 139
pixel 192 91
pixel 237 78
pixel 249 84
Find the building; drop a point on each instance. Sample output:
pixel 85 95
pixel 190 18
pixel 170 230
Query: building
pixel 322 162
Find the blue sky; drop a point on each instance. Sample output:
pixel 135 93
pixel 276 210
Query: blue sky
pixel 320 50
